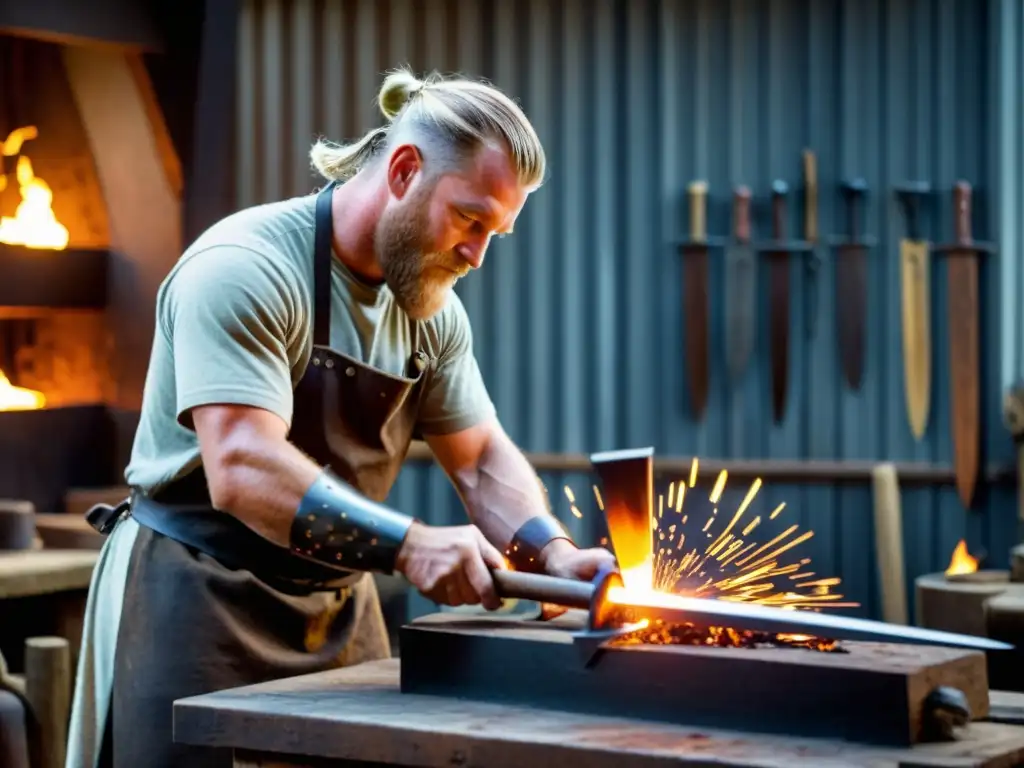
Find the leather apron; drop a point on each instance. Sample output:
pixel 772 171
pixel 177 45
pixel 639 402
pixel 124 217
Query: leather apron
pixel 209 605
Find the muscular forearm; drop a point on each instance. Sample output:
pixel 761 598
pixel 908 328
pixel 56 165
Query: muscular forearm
pixel 501 492
pixel 261 481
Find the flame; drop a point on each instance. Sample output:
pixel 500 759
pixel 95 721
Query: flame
pixel 14 398
pixel 961 562
pixel 34 224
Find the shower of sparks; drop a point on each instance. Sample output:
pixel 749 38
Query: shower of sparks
pixel 721 560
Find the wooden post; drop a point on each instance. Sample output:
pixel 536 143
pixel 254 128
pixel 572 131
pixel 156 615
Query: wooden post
pixel 17 524
pixel 48 692
pixel 1013 418
pixel 889 542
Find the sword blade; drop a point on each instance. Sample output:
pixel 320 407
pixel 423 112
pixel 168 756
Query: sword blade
pixel 740 290
pixel 695 292
pixel 851 286
pixel 779 330
pixel 962 308
pixel 763 618
pixel 915 274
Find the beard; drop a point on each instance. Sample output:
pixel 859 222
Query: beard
pixel 419 279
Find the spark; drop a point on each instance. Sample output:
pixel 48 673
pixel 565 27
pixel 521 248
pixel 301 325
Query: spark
pixel 716 557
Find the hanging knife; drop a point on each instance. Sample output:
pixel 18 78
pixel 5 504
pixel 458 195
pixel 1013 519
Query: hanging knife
pixel 915 281
pixel 695 297
pixel 851 285
pixel 740 282
pixel 813 263
pixel 777 250
pixel 963 309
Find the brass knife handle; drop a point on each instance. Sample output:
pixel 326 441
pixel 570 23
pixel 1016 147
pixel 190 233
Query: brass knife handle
pixel 811 203
pixel 698 192
pixel 741 214
pixel 962 208
pixel 779 191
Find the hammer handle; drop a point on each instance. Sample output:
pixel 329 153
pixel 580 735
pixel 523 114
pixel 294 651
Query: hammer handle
pixel 569 593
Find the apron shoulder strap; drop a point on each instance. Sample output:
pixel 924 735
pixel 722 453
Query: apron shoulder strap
pixel 322 268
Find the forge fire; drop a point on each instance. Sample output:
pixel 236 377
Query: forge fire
pixel 664 633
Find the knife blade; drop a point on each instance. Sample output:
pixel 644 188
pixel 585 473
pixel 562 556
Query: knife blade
pixel 915 282
pixel 813 262
pixel 740 289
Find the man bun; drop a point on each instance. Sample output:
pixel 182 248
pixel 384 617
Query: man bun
pixel 396 90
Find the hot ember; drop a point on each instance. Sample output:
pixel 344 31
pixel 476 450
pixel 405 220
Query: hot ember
pixel 661 633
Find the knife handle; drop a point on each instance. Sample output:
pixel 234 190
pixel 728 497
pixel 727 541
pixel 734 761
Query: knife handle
pixel 962 208
pixel 741 214
pixel 811 192
pixel 698 192
pixel 854 191
pixel 910 196
pixel 779 191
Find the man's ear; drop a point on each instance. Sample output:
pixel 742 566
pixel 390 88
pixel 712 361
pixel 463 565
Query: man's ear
pixel 403 166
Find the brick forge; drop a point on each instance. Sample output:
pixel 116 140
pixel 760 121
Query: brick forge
pixel 76 320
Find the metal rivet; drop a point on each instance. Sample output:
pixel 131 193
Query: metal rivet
pixel 316 360
pixel 350 371
pixel 311 517
pixel 338 556
pixel 383 394
pixel 309 534
pixel 328 363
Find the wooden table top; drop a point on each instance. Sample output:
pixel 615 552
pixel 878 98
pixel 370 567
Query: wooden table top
pixel 359 713
pixel 42 571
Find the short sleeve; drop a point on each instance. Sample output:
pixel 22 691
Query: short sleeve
pixel 229 313
pixel 456 397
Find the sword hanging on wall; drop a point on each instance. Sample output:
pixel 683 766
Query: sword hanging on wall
pixel 695 298
pixel 813 262
pixel 740 289
pixel 915 284
pixel 963 310
pixel 778 250
pixel 851 284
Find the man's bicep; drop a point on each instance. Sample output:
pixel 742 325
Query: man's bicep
pixel 229 322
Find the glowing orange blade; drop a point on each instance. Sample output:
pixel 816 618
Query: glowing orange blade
pixel 627 480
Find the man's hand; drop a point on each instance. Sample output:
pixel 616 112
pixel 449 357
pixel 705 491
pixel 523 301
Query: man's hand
pixel 562 558
pixel 451 565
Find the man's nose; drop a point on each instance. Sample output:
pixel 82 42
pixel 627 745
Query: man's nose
pixel 473 252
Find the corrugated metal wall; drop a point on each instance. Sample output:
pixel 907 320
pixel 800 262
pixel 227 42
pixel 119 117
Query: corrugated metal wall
pixel 578 317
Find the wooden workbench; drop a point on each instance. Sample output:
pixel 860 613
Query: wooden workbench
pixel 358 717
pixel 43 592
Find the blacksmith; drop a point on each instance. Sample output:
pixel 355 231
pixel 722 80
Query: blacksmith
pixel 300 346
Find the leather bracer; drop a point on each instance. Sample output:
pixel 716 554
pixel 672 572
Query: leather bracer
pixel 535 534
pixel 337 525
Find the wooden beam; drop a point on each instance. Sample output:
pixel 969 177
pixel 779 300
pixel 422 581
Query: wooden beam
pixel 210 184
pixel 769 470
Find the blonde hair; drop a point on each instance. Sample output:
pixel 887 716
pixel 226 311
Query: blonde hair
pixel 447 119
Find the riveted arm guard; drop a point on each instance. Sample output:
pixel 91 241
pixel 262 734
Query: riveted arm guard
pixel 536 533
pixel 337 525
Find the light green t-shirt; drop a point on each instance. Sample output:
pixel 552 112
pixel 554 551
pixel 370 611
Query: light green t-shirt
pixel 234 324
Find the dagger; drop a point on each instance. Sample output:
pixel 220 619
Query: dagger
pixel 740 282
pixel 606 597
pixel 778 251
pixel 964 356
pixel 851 285
pixel 915 278
pixel 695 297
pixel 813 263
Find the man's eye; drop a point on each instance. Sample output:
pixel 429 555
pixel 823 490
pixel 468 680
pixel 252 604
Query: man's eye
pixel 464 217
